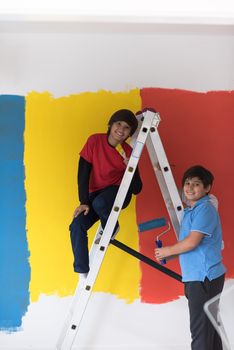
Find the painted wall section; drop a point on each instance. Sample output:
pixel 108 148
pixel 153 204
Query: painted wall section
pixel 196 128
pixel 14 265
pixel 55 132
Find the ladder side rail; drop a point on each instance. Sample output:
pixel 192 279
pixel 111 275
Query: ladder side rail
pixel 94 246
pixel 126 180
pixel 76 296
pixel 97 257
pixel 165 179
pixel 85 293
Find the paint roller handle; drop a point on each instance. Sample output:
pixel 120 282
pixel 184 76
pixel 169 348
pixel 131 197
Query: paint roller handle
pixel 159 245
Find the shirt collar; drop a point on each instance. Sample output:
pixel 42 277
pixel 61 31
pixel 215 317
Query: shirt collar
pixel 200 201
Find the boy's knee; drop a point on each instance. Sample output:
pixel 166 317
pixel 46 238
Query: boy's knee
pixel 77 223
pixel 73 224
pixel 100 205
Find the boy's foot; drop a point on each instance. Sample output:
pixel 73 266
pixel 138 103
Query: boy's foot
pixel 99 236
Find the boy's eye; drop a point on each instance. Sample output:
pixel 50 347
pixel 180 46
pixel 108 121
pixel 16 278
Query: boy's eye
pixel 126 127
pixel 197 184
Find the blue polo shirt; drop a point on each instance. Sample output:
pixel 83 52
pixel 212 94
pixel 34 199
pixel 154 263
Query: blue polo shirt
pixel 205 260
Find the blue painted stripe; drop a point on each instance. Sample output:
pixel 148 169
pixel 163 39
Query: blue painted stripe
pixel 14 265
pixel 149 225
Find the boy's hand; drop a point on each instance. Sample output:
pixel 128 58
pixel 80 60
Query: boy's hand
pixel 126 160
pixel 82 208
pixel 161 253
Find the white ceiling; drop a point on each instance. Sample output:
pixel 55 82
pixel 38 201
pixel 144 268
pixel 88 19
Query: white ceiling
pixel 127 11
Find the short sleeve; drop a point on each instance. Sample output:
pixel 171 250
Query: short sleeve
pixel 87 150
pixel 204 219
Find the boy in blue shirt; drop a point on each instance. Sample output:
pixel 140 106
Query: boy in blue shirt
pixel 199 250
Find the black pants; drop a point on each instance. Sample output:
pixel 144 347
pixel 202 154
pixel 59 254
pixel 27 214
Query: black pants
pixel 101 203
pixel 204 335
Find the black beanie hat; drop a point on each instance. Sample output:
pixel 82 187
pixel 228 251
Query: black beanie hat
pixel 127 116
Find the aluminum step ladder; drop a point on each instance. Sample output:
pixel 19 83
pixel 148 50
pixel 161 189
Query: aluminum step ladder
pixel 147 134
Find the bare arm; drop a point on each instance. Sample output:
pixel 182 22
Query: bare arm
pixel 187 244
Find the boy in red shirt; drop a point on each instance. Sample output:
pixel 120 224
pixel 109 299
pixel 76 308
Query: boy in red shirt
pixel 100 171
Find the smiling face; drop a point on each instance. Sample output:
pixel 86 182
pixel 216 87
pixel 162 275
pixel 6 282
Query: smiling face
pixel 118 133
pixel 194 189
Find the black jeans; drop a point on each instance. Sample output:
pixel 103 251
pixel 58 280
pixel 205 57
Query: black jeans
pixel 204 335
pixel 101 204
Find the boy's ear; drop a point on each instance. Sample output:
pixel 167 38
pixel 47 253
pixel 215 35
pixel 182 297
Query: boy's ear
pixel 208 188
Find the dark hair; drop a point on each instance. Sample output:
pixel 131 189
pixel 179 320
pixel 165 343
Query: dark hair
pixel 124 115
pixel 199 171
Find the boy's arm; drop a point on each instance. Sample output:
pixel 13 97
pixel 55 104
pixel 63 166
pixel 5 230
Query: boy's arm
pixel 84 170
pixel 187 244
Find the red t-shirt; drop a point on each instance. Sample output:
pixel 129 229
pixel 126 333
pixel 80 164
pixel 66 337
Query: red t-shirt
pixel 107 164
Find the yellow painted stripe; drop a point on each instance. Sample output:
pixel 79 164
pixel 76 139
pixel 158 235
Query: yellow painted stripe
pixel 55 131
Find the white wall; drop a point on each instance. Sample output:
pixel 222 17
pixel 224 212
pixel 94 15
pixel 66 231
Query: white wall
pixel 67 57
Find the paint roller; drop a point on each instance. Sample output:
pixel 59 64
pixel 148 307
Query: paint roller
pixel 156 223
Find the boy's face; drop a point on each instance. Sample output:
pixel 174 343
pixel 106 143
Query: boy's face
pixel 194 189
pixel 119 132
